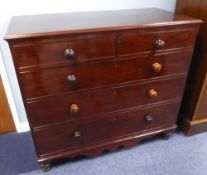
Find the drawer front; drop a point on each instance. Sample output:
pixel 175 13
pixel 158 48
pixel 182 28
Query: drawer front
pixel 54 81
pixel 81 48
pixel 133 42
pixel 73 135
pixel 77 105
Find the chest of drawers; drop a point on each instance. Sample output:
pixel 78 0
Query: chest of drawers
pixel 100 80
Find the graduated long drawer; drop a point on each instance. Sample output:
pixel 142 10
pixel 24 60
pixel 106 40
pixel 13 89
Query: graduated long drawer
pixel 53 81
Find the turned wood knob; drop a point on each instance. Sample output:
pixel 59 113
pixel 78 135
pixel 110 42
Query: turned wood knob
pixel 77 134
pixel 74 108
pixel 157 67
pixel 148 119
pixel 160 44
pixel 152 93
pixel 69 53
pixel 72 80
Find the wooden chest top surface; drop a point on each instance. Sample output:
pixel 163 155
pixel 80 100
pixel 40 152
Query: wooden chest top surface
pixel 67 23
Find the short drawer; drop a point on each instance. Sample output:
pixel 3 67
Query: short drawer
pixel 81 134
pixel 132 42
pixel 78 105
pixel 67 50
pixel 64 79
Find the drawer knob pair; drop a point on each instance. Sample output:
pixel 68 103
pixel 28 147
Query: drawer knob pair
pixel 157 67
pixel 69 53
pixel 152 93
pixel 160 44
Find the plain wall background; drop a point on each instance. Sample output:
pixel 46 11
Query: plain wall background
pixel 9 8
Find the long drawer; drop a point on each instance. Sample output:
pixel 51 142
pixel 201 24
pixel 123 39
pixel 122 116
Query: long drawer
pixel 77 105
pixel 65 50
pixel 64 79
pixel 74 135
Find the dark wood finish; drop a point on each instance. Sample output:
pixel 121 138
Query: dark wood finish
pixel 86 47
pixel 93 85
pixel 112 145
pixel 133 42
pixel 6 120
pixel 73 23
pixel 103 128
pixel 102 74
pixel 194 114
pixel 116 98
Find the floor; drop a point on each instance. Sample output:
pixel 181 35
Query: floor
pixel 178 156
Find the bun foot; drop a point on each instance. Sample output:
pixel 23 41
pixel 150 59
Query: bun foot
pixel 166 135
pixel 45 166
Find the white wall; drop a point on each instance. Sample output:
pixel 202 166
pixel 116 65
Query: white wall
pixel 9 8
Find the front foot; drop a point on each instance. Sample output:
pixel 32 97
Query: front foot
pixel 166 135
pixel 45 166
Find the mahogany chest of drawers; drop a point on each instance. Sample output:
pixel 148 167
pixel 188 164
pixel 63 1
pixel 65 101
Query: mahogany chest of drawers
pixel 99 80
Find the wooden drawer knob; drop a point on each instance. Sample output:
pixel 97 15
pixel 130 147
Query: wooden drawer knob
pixel 77 134
pixel 160 44
pixel 152 93
pixel 69 53
pixel 148 119
pixel 74 108
pixel 157 67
